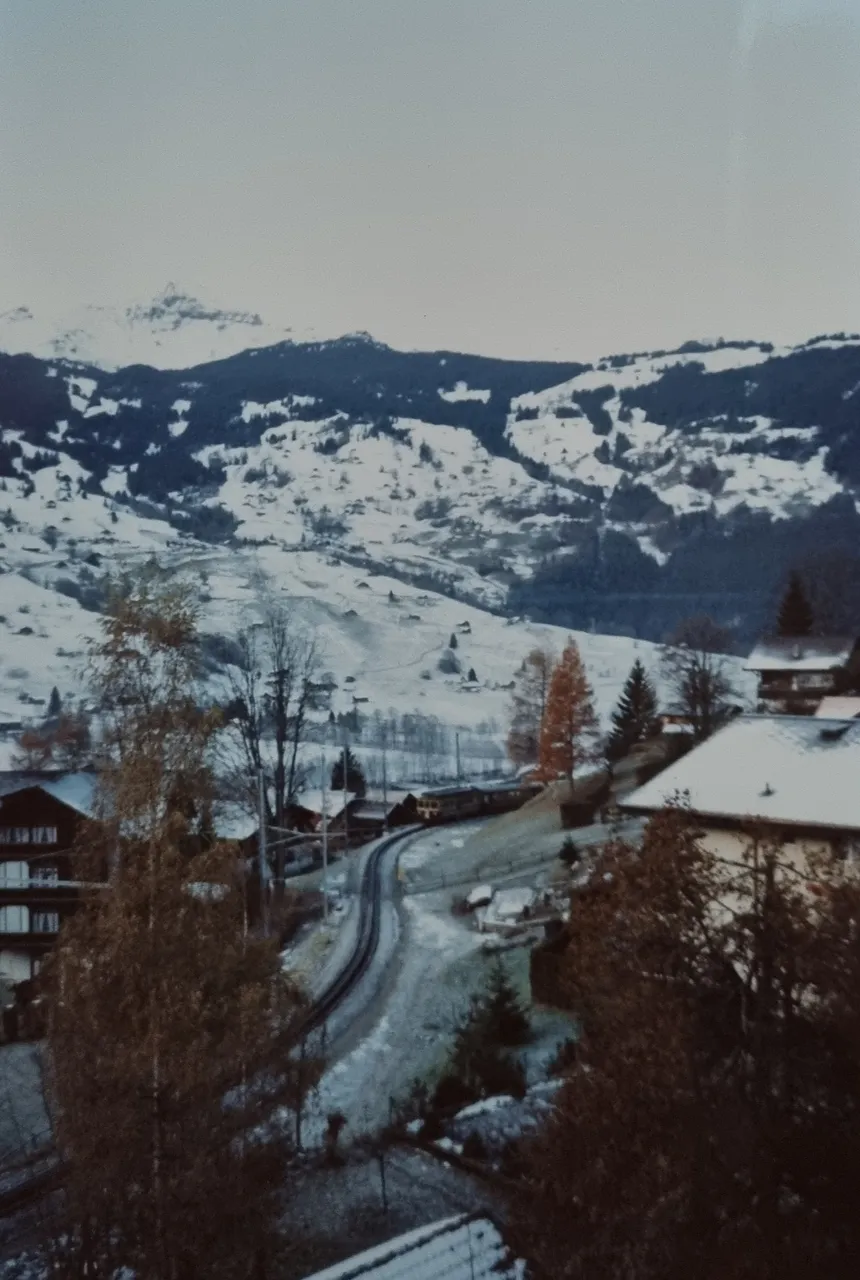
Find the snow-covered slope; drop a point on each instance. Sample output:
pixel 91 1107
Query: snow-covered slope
pixel 174 330
pixel 380 640
pixel 622 495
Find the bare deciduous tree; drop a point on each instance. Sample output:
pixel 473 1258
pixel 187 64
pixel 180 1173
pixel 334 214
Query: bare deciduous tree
pixel 270 694
pixel 695 668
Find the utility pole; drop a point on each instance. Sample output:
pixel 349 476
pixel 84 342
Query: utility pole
pixel 457 747
pixel 264 865
pixel 345 794
pixel 384 792
pixel 324 838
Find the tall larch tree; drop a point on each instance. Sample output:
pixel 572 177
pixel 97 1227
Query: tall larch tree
pixel 795 616
pixel 569 725
pixel 634 717
pixel 528 703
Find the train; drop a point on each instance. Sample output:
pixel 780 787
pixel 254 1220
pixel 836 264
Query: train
pixel 459 802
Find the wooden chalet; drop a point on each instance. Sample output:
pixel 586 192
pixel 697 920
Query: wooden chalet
pixel 795 674
pixel 40 815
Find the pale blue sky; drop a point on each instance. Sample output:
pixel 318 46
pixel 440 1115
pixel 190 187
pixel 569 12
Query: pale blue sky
pixel 554 178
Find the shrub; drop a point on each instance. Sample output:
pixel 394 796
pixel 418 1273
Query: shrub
pixel 564 1059
pixel 474 1147
pixel 569 853
pixel 452 1093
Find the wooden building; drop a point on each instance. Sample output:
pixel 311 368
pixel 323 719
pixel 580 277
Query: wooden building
pixel 40 815
pixel 795 674
pixel 793 779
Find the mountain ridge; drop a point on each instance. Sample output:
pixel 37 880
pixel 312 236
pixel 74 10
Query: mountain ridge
pixel 618 494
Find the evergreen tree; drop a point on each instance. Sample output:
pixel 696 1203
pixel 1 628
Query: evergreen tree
pixel 506 1022
pixel 452 640
pixel 355 780
pixel 633 717
pixel 569 724
pixel 472 676
pixel 55 704
pixel 795 616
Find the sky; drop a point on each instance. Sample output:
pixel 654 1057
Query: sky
pixel 553 179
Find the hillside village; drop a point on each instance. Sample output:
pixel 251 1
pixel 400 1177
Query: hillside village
pixel 490 855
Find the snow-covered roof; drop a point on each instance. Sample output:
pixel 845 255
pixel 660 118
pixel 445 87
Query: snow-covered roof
pixel 234 822
pixel 805 653
pixel 460 1248
pixel 77 790
pixel 838 708
pixel 798 770
pixel 374 808
pixel 334 801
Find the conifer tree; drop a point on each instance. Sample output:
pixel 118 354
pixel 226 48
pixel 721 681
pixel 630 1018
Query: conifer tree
pixel 569 724
pixel 355 780
pixel 452 640
pixel 633 717
pixel 55 704
pixel 506 1022
pixel 795 616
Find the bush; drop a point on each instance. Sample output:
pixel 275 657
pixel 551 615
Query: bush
pixel 474 1147
pixel 569 853
pixel 564 1059
pixel 452 1093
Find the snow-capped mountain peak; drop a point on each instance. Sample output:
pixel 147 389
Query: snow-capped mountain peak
pixel 172 330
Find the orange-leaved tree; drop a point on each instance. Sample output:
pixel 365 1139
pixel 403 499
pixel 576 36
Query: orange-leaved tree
pixel 568 731
pixel 528 703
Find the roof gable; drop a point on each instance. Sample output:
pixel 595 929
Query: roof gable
pixel 74 790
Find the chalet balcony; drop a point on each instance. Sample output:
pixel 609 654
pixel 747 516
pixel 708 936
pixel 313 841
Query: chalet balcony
pixel 787 686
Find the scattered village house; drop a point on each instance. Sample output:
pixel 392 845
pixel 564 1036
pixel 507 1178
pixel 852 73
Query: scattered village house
pixel 794 674
pixel 794 779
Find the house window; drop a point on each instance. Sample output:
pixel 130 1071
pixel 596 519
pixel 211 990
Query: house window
pixel 14 835
pixel 813 680
pixel 13 874
pixel 14 920
pixel 45 922
pixel 45 873
pixel 44 835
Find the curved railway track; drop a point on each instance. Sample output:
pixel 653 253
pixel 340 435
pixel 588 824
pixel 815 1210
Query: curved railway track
pixel 30 1190
pixel 367 938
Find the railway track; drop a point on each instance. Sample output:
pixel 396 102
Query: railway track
pixel 30 1190
pixel 367 939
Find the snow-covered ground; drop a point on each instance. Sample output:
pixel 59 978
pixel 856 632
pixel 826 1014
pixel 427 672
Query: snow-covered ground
pixel 381 641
